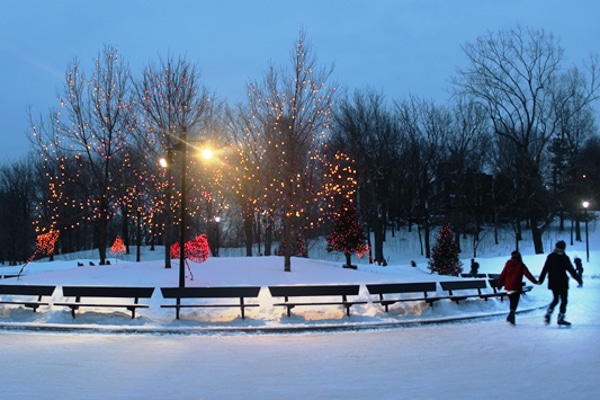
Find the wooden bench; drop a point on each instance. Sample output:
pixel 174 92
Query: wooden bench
pixel 469 275
pixel 210 292
pixel 381 289
pixel 501 293
pixel 467 285
pixel 27 290
pixel 120 292
pixel 498 292
pixel 316 291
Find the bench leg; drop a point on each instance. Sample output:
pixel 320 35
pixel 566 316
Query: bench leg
pixel 73 312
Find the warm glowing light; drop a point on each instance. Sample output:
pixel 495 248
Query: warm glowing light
pixel 207 154
pixel 163 163
pixel 585 204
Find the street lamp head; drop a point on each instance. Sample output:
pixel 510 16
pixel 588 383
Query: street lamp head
pixel 207 154
pixel 585 204
pixel 217 219
pixel 163 162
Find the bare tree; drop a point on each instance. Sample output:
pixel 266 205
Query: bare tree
pixel 470 133
pixel 248 174
pixel 514 74
pixel 17 202
pixel 93 126
pixel 366 129
pixel 293 110
pixel 426 128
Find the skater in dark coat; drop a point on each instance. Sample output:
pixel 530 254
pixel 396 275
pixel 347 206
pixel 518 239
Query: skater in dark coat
pixel 579 269
pixel 511 278
pixel 474 267
pixel 556 267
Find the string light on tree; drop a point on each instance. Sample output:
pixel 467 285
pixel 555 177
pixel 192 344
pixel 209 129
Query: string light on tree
pixel 44 244
pixel 444 255
pixel 197 250
pixel 118 247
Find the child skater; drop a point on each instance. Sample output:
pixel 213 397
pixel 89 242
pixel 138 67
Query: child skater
pixel 511 278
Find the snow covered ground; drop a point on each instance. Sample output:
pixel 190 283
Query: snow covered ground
pixel 213 356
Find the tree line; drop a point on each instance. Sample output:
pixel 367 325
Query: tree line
pixel 516 144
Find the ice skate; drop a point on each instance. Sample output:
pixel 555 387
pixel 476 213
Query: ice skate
pixel 511 318
pixel 547 319
pixel 561 321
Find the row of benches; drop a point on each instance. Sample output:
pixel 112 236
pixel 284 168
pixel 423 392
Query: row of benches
pixel 387 294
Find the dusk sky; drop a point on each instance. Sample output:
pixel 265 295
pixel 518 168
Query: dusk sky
pixel 399 47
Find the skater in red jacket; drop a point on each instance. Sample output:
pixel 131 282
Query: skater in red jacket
pixel 512 280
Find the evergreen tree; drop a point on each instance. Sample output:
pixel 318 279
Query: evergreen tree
pixel 347 235
pixel 444 255
pixel 118 247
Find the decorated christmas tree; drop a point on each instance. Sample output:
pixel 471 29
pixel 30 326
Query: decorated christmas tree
pixel 347 235
pixel 444 255
pixel 118 247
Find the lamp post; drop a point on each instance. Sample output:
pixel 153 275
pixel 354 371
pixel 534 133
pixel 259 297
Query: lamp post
pixel 182 147
pixel 585 205
pixel 166 164
pixel 217 220
pixel 182 218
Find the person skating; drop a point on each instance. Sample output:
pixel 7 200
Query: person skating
pixel 579 268
pixel 556 266
pixel 511 278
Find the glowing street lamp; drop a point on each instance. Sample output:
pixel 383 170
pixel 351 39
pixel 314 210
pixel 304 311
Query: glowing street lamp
pixel 585 205
pixel 206 153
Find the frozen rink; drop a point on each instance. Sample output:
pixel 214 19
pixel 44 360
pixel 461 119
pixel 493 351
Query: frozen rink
pixel 473 360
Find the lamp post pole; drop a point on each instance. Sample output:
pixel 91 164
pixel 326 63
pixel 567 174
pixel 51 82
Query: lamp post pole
pixel 217 220
pixel 182 218
pixel 167 231
pixel 586 204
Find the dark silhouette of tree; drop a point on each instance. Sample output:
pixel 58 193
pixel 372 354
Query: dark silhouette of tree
pixel 516 75
pixel 366 130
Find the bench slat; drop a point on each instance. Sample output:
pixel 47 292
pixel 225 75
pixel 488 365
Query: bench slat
pixel 27 290
pixel 206 305
pixel 107 291
pixel 209 292
pixel 314 290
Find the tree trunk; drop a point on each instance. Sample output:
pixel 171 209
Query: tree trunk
pixel 536 235
pixel 248 221
pixel 102 231
pixel 348 258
